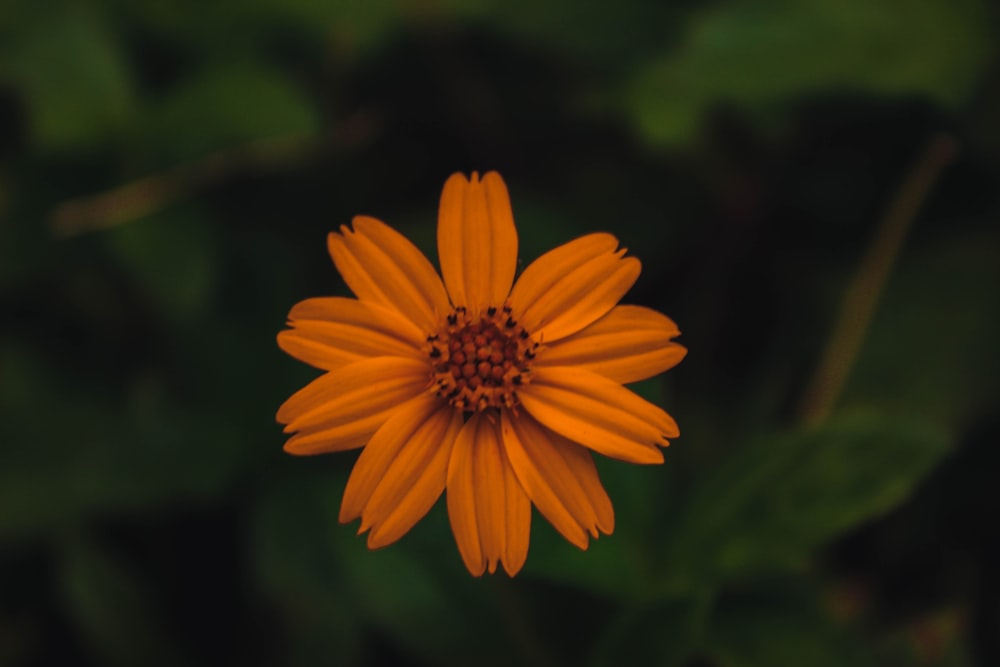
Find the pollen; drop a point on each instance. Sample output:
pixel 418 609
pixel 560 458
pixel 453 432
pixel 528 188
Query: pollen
pixel 479 361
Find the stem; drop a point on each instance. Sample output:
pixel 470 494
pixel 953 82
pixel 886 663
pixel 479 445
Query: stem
pixel 866 287
pixel 158 191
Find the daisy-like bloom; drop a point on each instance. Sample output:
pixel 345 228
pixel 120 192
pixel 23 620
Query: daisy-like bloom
pixel 493 389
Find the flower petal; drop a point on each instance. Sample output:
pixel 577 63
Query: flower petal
pixel 341 409
pixel 598 413
pixel 629 344
pixel 461 498
pixel 422 418
pixel 517 508
pixel 490 512
pixel 337 436
pixel 332 332
pixel 477 241
pixel 542 273
pixel 560 478
pixel 566 289
pixel 381 266
pixel 414 480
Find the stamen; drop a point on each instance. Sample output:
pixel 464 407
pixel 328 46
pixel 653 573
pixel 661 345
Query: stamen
pixel 479 361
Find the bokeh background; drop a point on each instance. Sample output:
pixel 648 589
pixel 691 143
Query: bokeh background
pixel 811 185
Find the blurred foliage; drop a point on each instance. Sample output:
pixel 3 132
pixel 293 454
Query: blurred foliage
pixel 761 55
pixel 780 497
pixel 169 171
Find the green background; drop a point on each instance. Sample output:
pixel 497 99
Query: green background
pixel 169 171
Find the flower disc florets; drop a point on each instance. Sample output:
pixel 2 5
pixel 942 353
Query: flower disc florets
pixel 480 360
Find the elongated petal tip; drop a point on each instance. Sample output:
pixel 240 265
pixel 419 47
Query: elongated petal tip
pixel 598 413
pixel 382 267
pixel 489 510
pixel 629 344
pixel 477 241
pixel 572 286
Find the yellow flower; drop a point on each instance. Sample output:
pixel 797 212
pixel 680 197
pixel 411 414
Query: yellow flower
pixel 491 389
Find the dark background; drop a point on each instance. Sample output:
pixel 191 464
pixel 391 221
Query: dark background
pixel 168 174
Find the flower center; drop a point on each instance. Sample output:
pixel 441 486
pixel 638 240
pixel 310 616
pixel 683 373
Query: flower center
pixel 479 362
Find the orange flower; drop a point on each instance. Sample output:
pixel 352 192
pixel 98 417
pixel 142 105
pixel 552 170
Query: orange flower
pixel 491 389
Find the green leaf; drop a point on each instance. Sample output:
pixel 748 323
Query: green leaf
pixel 415 592
pixel 226 105
pixel 764 54
pixel 73 77
pixel 173 256
pixel 779 498
pixel 932 346
pixel 77 449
